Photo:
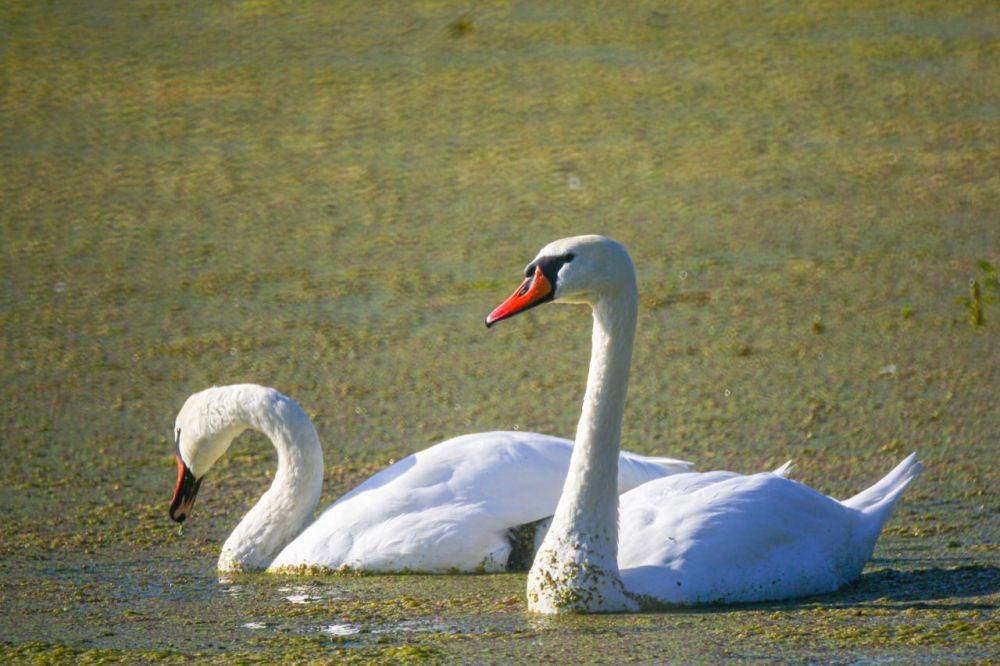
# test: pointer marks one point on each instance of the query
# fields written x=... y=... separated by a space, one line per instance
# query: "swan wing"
x=449 y=507
x=721 y=536
x=635 y=470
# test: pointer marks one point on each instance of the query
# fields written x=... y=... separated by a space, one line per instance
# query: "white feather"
x=687 y=538
x=446 y=508
x=449 y=507
x=724 y=537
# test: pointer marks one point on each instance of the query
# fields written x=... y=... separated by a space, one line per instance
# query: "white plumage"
x=687 y=538
x=450 y=507
x=446 y=508
x=725 y=537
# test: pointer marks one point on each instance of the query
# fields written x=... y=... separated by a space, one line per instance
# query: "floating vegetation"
x=460 y=27
x=983 y=290
x=327 y=198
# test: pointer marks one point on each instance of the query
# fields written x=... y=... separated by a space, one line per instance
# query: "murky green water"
x=328 y=198
x=906 y=606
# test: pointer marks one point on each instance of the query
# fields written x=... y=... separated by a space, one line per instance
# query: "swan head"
x=203 y=431
x=580 y=269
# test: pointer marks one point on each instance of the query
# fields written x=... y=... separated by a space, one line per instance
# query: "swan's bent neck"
x=288 y=505
x=576 y=568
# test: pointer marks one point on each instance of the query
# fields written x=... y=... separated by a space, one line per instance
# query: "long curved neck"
x=288 y=505
x=584 y=532
x=589 y=503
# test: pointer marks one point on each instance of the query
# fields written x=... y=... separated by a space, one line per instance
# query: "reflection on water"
x=143 y=603
x=341 y=629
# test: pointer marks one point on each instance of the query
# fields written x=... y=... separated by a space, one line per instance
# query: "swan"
x=466 y=504
x=688 y=538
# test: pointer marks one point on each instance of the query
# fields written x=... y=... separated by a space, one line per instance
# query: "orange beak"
x=184 y=492
x=535 y=290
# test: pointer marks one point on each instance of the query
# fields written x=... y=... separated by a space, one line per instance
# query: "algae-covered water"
x=328 y=197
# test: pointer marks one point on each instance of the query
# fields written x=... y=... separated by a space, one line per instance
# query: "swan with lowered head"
x=688 y=538
x=456 y=506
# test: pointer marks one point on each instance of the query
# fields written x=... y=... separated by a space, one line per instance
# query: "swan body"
x=448 y=508
x=688 y=538
x=725 y=537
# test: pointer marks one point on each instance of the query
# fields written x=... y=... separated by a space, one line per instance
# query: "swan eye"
x=568 y=257
x=177 y=436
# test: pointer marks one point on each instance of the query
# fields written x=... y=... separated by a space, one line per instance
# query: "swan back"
x=721 y=536
x=450 y=507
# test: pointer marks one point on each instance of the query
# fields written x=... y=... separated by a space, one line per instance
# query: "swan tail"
x=874 y=506
x=785 y=469
x=881 y=497
x=635 y=470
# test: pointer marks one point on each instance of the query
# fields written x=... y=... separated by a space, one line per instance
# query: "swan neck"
x=576 y=567
x=591 y=492
x=297 y=445
x=288 y=505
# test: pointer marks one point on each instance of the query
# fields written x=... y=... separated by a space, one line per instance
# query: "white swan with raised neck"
x=690 y=538
x=451 y=507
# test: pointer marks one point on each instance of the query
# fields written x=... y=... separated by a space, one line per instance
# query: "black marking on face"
x=550 y=269
x=539 y=286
